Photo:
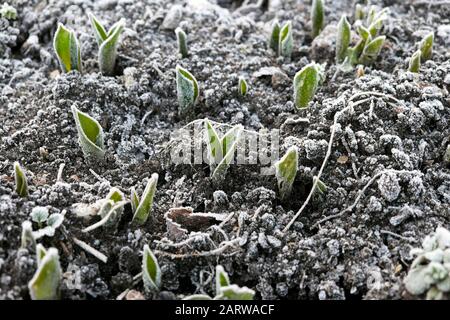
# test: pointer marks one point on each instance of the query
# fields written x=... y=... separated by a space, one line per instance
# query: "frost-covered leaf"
x=243 y=86
x=181 y=40
x=27 y=237
x=111 y=218
x=359 y=12
x=343 y=38
x=426 y=46
x=234 y=292
x=320 y=187
x=317 y=17
x=372 y=50
x=90 y=134
x=414 y=62
x=415 y=281
x=67 y=49
x=363 y=32
x=8 y=12
x=39 y=214
x=46 y=281
x=274 y=36
x=46 y=231
x=151 y=273
x=107 y=52
x=134 y=198
x=187 y=90
x=222 y=279
x=442 y=237
x=286 y=40
x=55 y=220
x=21 y=180
x=286 y=171
x=145 y=205
x=100 y=32
x=40 y=253
x=447 y=154
x=306 y=82
x=214 y=144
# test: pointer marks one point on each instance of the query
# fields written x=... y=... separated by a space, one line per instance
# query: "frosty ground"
x=397 y=137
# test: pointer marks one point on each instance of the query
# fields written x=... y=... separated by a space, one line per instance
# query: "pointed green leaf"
x=275 y=36
x=151 y=273
x=90 y=134
x=67 y=49
x=234 y=292
x=306 y=82
x=426 y=46
x=229 y=144
x=243 y=86
x=55 y=220
x=21 y=180
x=99 y=30
x=286 y=171
x=143 y=210
x=222 y=279
x=108 y=50
x=342 y=39
x=286 y=40
x=214 y=144
x=320 y=187
x=40 y=253
x=414 y=62
x=187 y=90
x=134 y=200
x=363 y=32
x=372 y=50
x=359 y=12
x=181 y=40
x=46 y=281
x=115 y=195
x=317 y=17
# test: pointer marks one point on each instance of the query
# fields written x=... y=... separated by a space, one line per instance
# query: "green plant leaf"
x=100 y=32
x=214 y=144
x=222 y=279
x=363 y=32
x=107 y=52
x=151 y=273
x=145 y=205
x=134 y=200
x=229 y=143
x=243 y=86
x=21 y=180
x=306 y=82
x=317 y=17
x=181 y=40
x=414 y=62
x=46 y=281
x=286 y=40
x=111 y=218
x=8 y=12
x=187 y=90
x=320 y=187
x=40 y=254
x=90 y=134
x=359 y=12
x=426 y=46
x=342 y=39
x=67 y=49
x=39 y=214
x=286 y=171
x=27 y=237
x=55 y=220
x=372 y=50
x=234 y=292
x=275 y=36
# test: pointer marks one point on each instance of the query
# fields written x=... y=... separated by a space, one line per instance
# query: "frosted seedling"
x=45 y=283
x=342 y=39
x=306 y=82
x=21 y=180
x=286 y=41
x=27 y=237
x=221 y=150
x=145 y=204
x=151 y=273
x=187 y=90
x=286 y=171
x=242 y=86
x=414 y=62
x=40 y=253
x=67 y=49
x=108 y=42
x=274 y=36
x=372 y=50
x=181 y=40
x=426 y=46
x=320 y=186
x=359 y=12
x=8 y=12
x=317 y=17
x=90 y=134
x=41 y=216
x=222 y=279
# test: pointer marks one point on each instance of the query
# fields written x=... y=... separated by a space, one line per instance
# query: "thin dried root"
x=221 y=249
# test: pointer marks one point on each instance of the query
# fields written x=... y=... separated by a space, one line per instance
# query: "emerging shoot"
x=21 y=180
x=317 y=17
x=27 y=237
x=414 y=62
x=275 y=36
x=108 y=42
x=187 y=90
x=181 y=39
x=242 y=86
x=67 y=49
x=90 y=134
x=151 y=273
x=286 y=171
x=286 y=40
x=306 y=82
x=145 y=205
x=426 y=46
x=342 y=39
x=46 y=281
